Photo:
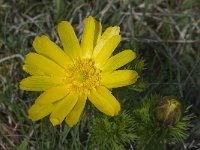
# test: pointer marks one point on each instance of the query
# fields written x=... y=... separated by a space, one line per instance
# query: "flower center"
x=82 y=76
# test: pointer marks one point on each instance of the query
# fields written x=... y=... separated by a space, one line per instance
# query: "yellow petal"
x=107 y=50
x=97 y=35
x=104 y=92
x=40 y=83
x=63 y=108
x=44 y=46
x=36 y=64
x=73 y=117
x=37 y=111
x=119 y=60
x=68 y=39
x=87 y=40
x=52 y=95
x=119 y=78
x=101 y=103
x=109 y=33
x=35 y=108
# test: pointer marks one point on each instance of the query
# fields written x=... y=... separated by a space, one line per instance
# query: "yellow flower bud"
x=168 y=110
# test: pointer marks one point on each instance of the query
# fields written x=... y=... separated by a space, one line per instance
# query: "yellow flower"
x=81 y=71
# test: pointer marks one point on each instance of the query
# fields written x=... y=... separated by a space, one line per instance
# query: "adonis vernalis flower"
x=82 y=71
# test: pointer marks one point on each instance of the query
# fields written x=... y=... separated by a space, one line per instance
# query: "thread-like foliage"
x=112 y=133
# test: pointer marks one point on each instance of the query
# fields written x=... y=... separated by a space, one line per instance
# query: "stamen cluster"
x=82 y=76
